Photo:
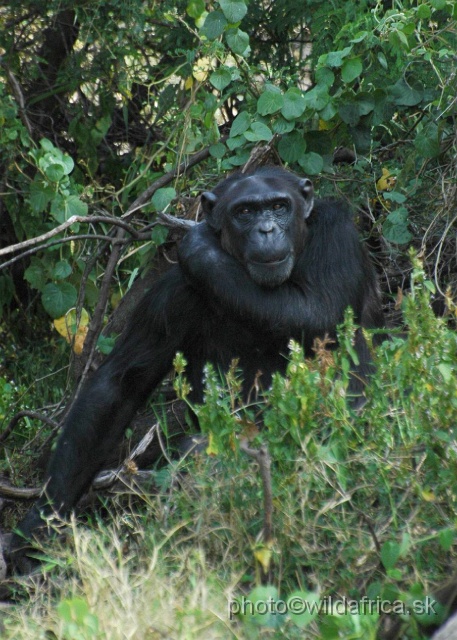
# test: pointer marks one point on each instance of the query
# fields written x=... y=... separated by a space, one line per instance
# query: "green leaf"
x=258 y=132
x=58 y=298
x=403 y=95
x=74 y=207
x=427 y=141
x=68 y=163
x=162 y=198
x=41 y=195
x=159 y=234
x=307 y=606
x=317 y=98
x=238 y=41
x=62 y=270
x=234 y=10
x=271 y=101
x=424 y=12
x=105 y=344
x=395 y=196
x=236 y=142
x=195 y=8
x=446 y=538
x=359 y=37
x=351 y=70
x=294 y=104
x=311 y=163
x=365 y=102
x=325 y=77
x=447 y=372
x=390 y=553
x=241 y=124
x=382 y=60
x=241 y=157
x=399 y=216
x=55 y=172
x=214 y=25
x=395 y=228
x=263 y=612
x=221 y=78
x=47 y=145
x=349 y=113
x=292 y=146
x=283 y=126
x=218 y=150
x=35 y=274
x=335 y=58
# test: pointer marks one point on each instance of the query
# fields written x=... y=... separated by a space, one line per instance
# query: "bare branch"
x=106 y=478
x=83 y=219
x=95 y=325
x=175 y=223
x=26 y=414
x=19 y=97
x=262 y=457
x=103 y=480
x=164 y=180
x=8 y=491
x=167 y=178
x=53 y=243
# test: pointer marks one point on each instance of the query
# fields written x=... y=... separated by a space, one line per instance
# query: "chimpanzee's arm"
x=141 y=358
x=327 y=278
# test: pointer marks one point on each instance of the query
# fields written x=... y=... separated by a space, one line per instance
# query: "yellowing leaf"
x=189 y=83
x=428 y=496
x=324 y=125
x=386 y=182
x=201 y=68
x=66 y=326
x=263 y=556
x=79 y=340
x=212 y=449
x=116 y=297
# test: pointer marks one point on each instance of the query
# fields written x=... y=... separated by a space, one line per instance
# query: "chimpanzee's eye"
x=243 y=211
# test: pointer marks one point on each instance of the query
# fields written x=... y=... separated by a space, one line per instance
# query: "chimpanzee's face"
x=262 y=222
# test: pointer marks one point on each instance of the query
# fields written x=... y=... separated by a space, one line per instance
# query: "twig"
x=53 y=243
x=262 y=457
x=19 y=96
x=175 y=223
x=103 y=480
x=97 y=319
x=106 y=478
x=166 y=179
x=7 y=491
x=26 y=414
x=84 y=219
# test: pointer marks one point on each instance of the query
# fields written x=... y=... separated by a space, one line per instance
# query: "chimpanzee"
x=268 y=264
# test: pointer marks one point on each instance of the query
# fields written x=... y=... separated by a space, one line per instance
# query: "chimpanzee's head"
x=261 y=218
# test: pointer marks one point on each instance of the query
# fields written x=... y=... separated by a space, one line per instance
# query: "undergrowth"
x=364 y=512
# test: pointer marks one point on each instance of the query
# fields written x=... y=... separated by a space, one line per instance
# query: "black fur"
x=271 y=267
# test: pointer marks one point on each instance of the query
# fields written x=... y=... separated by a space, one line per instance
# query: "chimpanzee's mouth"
x=269 y=263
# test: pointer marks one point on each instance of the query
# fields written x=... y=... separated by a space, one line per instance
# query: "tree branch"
x=262 y=457
x=84 y=219
x=103 y=480
x=26 y=414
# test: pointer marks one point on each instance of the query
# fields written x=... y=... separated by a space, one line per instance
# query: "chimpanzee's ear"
x=307 y=190
x=208 y=201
